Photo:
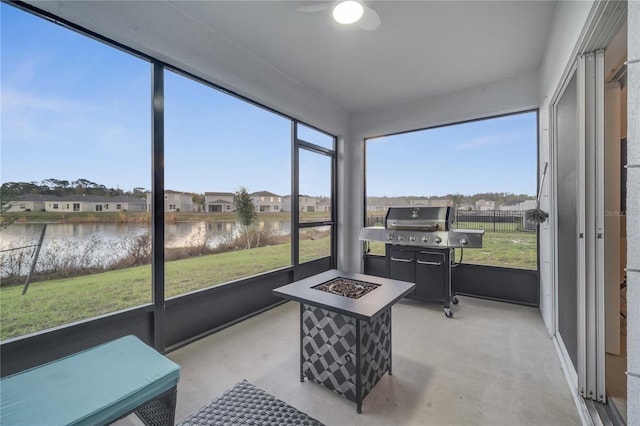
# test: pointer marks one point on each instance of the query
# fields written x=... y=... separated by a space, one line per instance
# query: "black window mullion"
x=331 y=153
x=295 y=202
x=157 y=207
x=334 y=204
x=316 y=224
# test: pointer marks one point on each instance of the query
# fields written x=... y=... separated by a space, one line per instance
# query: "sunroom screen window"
x=218 y=147
x=486 y=169
x=75 y=143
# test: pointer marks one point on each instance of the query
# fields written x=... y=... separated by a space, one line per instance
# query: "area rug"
x=245 y=404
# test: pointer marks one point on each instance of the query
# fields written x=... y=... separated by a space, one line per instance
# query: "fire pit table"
x=345 y=329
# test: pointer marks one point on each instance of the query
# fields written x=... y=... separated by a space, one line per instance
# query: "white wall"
x=517 y=93
x=633 y=215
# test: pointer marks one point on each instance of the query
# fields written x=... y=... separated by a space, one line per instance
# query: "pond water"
x=107 y=241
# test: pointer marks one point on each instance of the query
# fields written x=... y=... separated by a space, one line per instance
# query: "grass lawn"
x=510 y=250
x=56 y=302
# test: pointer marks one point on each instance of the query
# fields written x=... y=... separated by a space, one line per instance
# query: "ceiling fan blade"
x=316 y=7
x=370 y=20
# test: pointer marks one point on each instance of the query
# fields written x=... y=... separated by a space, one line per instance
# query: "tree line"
x=10 y=191
x=63 y=188
x=458 y=199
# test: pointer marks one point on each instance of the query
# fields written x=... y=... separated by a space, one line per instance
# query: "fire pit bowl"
x=347 y=288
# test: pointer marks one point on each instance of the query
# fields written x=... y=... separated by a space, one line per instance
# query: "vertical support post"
x=581 y=367
x=599 y=303
x=35 y=260
x=295 y=201
x=334 y=207
x=591 y=309
x=157 y=207
x=494 y=220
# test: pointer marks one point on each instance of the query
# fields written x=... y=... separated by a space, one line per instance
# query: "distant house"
x=266 y=201
x=219 y=202
x=286 y=203
x=308 y=204
x=79 y=203
x=305 y=203
x=485 y=205
x=465 y=206
x=31 y=203
x=382 y=204
x=174 y=201
x=324 y=205
x=518 y=205
x=431 y=202
x=127 y=204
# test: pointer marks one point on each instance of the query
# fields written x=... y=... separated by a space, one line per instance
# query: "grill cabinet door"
x=402 y=265
x=432 y=281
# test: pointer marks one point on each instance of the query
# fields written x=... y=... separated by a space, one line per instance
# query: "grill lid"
x=427 y=219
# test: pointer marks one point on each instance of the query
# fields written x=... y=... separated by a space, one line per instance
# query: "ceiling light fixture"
x=348 y=12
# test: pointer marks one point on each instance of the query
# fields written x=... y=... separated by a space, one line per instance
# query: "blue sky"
x=72 y=108
x=493 y=155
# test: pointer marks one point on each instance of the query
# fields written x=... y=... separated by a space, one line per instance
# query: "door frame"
x=605 y=18
x=587 y=377
x=565 y=358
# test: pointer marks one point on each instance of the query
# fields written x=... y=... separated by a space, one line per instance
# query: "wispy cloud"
x=478 y=143
x=14 y=100
x=42 y=120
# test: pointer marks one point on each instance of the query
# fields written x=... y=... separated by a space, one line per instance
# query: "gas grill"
x=423 y=227
x=419 y=247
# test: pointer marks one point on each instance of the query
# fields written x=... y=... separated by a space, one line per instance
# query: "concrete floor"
x=493 y=364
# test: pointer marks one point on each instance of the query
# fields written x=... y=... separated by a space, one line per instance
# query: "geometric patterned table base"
x=342 y=353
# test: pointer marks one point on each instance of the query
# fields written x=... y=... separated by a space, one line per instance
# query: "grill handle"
x=422 y=262
x=412 y=227
x=396 y=259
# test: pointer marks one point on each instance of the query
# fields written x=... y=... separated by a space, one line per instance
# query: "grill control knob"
x=464 y=242
x=438 y=240
x=412 y=238
x=425 y=239
x=400 y=237
x=389 y=237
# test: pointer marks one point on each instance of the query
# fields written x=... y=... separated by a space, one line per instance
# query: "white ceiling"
x=422 y=48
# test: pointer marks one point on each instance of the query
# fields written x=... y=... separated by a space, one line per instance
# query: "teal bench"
x=94 y=387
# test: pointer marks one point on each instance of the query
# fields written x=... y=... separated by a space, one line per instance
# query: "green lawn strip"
x=183 y=276
x=314 y=249
x=56 y=302
x=51 y=303
x=511 y=250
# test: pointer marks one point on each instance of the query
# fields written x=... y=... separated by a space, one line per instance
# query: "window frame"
x=156 y=310
x=297 y=146
x=365 y=253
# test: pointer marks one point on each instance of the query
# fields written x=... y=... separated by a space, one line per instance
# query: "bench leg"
x=160 y=411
